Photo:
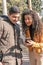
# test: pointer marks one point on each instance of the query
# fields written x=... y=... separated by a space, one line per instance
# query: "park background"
x=36 y=5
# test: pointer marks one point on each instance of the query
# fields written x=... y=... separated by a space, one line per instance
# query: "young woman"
x=33 y=32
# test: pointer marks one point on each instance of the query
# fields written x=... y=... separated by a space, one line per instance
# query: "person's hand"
x=28 y=43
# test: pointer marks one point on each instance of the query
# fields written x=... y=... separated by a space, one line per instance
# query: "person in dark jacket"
x=10 y=37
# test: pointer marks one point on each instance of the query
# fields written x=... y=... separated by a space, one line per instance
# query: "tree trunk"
x=4 y=7
x=29 y=4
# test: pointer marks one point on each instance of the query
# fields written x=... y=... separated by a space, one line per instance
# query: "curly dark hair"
x=36 y=24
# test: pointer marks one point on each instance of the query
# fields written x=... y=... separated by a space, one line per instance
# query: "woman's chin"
x=28 y=24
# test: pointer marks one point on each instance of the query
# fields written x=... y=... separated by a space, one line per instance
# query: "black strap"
x=1 y=55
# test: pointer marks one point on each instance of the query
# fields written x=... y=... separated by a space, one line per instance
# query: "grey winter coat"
x=7 y=43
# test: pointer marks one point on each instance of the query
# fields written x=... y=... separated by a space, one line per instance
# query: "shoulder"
x=3 y=17
x=4 y=21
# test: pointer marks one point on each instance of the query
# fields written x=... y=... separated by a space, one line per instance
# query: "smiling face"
x=14 y=17
x=28 y=19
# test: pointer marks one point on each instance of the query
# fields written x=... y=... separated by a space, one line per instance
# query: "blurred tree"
x=29 y=4
x=26 y=1
x=4 y=7
x=22 y=4
x=0 y=6
x=42 y=18
x=36 y=5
